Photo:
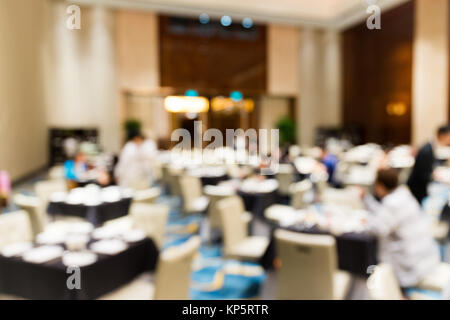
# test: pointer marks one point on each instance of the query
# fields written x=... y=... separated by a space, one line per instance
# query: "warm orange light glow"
x=396 y=109
x=225 y=103
x=183 y=104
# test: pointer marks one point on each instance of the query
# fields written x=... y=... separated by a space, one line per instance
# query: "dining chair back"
x=173 y=273
x=44 y=189
x=298 y=191
x=35 y=210
x=308 y=264
x=14 y=227
x=383 y=285
x=285 y=177
x=233 y=225
x=152 y=218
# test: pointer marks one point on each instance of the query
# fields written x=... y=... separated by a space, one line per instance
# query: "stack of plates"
x=43 y=254
x=51 y=238
x=109 y=247
x=79 y=259
x=16 y=249
x=106 y=232
x=134 y=235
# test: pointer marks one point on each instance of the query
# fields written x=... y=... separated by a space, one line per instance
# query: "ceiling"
x=336 y=14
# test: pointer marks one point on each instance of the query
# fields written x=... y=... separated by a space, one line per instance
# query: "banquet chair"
x=14 y=227
x=298 y=191
x=170 y=178
x=383 y=285
x=35 y=210
x=172 y=277
x=56 y=173
x=285 y=177
x=192 y=195
x=215 y=194
x=237 y=243
x=44 y=189
x=309 y=267
x=152 y=218
x=149 y=195
x=437 y=280
x=173 y=273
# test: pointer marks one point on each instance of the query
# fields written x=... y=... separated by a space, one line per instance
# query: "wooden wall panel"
x=377 y=71
x=225 y=58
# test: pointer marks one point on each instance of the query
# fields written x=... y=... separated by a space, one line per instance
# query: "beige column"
x=80 y=69
x=330 y=108
x=430 y=68
x=310 y=86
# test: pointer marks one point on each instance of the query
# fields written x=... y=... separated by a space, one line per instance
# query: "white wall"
x=23 y=135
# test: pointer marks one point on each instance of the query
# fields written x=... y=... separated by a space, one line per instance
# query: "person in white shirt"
x=134 y=167
x=404 y=233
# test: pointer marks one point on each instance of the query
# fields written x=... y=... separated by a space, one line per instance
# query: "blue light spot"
x=204 y=18
x=247 y=23
x=226 y=21
x=236 y=96
x=191 y=93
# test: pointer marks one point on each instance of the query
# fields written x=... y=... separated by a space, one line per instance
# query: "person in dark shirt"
x=422 y=171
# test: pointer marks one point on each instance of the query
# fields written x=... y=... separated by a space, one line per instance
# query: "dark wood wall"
x=212 y=56
x=377 y=71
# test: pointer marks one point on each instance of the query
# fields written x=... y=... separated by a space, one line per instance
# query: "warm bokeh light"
x=183 y=104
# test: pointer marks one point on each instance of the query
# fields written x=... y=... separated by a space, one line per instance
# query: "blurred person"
x=5 y=189
x=421 y=174
x=75 y=169
x=404 y=234
x=133 y=169
x=330 y=161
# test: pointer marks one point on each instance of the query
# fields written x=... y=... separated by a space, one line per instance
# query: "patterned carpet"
x=213 y=277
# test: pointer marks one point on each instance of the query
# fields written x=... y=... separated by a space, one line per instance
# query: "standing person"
x=405 y=239
x=422 y=171
x=5 y=189
x=134 y=168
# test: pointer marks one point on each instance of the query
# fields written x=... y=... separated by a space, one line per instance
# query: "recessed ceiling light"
x=247 y=23
x=204 y=18
x=226 y=21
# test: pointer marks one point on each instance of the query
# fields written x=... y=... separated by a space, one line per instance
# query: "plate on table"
x=81 y=227
x=49 y=237
x=134 y=235
x=106 y=232
x=79 y=259
x=58 y=197
x=43 y=254
x=109 y=247
x=16 y=249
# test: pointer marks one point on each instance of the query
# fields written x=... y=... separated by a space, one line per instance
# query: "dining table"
x=95 y=214
x=49 y=280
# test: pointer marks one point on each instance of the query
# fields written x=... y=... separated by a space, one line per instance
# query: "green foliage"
x=133 y=125
x=287 y=128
